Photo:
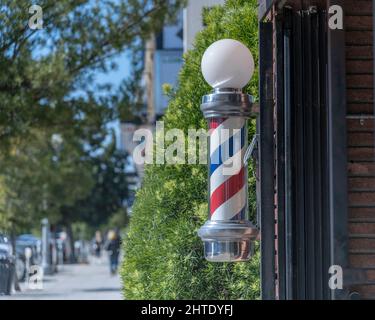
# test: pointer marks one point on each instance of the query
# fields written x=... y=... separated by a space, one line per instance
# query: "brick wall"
x=361 y=152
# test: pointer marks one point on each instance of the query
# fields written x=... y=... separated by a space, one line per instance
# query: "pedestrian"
x=113 y=248
x=98 y=243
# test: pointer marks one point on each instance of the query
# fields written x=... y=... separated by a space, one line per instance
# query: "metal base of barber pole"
x=228 y=241
x=228 y=235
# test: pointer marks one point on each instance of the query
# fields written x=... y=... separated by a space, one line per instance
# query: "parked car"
x=6 y=265
x=22 y=243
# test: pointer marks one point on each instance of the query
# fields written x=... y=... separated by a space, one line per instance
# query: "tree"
x=42 y=70
x=107 y=195
x=39 y=176
x=46 y=88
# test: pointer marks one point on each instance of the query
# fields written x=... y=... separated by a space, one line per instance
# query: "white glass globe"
x=227 y=63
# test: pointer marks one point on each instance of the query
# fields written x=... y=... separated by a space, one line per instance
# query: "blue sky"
x=115 y=77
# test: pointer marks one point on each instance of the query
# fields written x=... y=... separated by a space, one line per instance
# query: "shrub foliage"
x=163 y=254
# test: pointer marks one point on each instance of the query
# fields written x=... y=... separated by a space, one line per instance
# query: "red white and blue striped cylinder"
x=228 y=235
x=228 y=195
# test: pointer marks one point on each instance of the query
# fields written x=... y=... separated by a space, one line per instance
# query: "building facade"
x=193 y=22
x=316 y=161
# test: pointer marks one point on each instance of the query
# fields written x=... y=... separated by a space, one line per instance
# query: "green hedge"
x=163 y=254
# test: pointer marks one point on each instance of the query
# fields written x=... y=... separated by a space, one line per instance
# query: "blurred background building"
x=192 y=19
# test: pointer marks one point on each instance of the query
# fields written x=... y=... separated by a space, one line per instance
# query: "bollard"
x=28 y=254
x=46 y=247
x=228 y=235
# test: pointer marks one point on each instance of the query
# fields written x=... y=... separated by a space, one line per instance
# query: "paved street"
x=75 y=282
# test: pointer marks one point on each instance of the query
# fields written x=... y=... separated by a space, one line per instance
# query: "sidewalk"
x=75 y=282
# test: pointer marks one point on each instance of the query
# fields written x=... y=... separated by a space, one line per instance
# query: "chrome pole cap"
x=227 y=102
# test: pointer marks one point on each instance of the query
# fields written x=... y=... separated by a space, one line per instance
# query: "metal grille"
x=303 y=245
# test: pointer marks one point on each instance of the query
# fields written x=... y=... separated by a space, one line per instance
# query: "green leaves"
x=107 y=194
x=40 y=176
x=44 y=68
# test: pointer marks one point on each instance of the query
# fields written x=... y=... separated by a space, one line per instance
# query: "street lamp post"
x=45 y=247
x=228 y=235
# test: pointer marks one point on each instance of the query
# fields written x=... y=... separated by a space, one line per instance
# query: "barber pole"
x=228 y=235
